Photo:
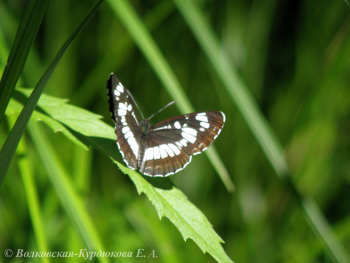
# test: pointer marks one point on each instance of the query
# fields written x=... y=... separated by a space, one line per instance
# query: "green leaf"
x=82 y=127
x=16 y=107
x=78 y=119
x=173 y=204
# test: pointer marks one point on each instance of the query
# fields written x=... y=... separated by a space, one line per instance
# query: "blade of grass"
x=259 y=126
x=12 y=141
x=147 y=45
x=234 y=85
x=25 y=37
x=32 y=196
x=124 y=46
x=324 y=231
x=65 y=190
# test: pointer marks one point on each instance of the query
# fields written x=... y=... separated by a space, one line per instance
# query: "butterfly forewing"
x=124 y=115
x=172 y=142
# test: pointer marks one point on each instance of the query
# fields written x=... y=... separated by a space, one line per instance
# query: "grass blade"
x=235 y=86
x=66 y=191
x=256 y=121
x=25 y=37
x=324 y=231
x=32 y=195
x=12 y=141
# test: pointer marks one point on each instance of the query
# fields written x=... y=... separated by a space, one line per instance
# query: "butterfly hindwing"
x=162 y=156
x=172 y=142
x=126 y=120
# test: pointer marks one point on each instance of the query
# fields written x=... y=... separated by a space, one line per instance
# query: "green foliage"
x=172 y=203
x=167 y=199
x=13 y=139
x=279 y=71
x=25 y=37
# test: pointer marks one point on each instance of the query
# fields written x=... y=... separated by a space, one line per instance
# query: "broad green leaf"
x=173 y=204
x=78 y=119
x=16 y=107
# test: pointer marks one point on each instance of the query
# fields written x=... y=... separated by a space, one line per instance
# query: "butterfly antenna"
x=170 y=103
x=137 y=106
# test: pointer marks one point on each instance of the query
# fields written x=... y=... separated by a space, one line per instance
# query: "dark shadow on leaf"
x=160 y=182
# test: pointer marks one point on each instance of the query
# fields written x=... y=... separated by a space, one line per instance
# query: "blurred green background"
x=293 y=56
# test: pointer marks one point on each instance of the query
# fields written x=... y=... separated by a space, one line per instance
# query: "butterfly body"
x=144 y=127
x=166 y=147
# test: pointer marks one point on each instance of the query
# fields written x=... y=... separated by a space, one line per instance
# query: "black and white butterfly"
x=166 y=147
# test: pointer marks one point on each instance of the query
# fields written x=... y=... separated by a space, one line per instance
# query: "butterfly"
x=166 y=147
